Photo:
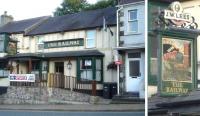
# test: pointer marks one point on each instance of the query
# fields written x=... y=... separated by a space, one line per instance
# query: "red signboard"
x=118 y=62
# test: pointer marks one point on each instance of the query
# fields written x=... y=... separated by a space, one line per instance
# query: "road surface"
x=66 y=113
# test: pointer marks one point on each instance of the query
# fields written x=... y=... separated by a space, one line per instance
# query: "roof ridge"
x=40 y=17
x=86 y=11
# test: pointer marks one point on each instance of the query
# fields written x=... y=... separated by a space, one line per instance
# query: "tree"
x=73 y=6
x=102 y=4
x=70 y=6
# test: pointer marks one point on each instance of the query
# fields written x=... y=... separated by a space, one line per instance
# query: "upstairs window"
x=90 y=38
x=133 y=20
x=2 y=43
x=40 y=43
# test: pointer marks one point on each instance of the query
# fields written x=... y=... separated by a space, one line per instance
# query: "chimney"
x=4 y=19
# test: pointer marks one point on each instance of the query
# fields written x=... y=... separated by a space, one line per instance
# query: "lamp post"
x=69 y=67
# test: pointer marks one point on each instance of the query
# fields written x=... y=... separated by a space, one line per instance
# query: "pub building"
x=69 y=51
x=173 y=38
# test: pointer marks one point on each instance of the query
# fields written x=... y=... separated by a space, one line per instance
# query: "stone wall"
x=44 y=95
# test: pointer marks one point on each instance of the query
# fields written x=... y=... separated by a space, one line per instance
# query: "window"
x=134 y=68
x=90 y=38
x=2 y=43
x=98 y=69
x=134 y=55
x=134 y=64
x=90 y=69
x=59 y=67
x=132 y=21
x=86 y=69
x=44 y=66
x=40 y=43
x=35 y=65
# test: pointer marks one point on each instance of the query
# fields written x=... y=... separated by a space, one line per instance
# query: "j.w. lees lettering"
x=177 y=16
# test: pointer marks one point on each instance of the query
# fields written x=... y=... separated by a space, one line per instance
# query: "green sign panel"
x=64 y=43
x=177 y=68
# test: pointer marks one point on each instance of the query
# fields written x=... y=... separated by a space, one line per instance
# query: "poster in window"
x=176 y=65
x=88 y=63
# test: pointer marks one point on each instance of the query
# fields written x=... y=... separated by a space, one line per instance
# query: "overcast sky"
x=24 y=9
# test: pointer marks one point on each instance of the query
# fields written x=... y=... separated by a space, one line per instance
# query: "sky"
x=24 y=9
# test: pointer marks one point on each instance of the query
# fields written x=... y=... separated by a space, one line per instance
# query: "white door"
x=133 y=72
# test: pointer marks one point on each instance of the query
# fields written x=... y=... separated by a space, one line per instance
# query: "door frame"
x=127 y=67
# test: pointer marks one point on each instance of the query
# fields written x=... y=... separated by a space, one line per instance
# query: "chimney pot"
x=5 y=13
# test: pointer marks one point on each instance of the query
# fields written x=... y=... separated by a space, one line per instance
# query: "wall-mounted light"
x=69 y=65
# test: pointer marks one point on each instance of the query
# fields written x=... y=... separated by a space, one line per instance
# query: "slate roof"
x=190 y=102
x=19 y=26
x=77 y=21
x=121 y=2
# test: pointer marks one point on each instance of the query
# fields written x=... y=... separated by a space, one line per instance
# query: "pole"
x=118 y=79
x=117 y=44
x=71 y=86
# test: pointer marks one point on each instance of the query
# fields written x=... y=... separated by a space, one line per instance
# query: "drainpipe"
x=120 y=8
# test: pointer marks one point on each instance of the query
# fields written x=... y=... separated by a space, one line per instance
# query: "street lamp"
x=69 y=67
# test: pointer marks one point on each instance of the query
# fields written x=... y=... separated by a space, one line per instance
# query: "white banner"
x=22 y=77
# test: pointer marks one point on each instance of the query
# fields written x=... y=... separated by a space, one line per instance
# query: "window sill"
x=133 y=33
x=90 y=47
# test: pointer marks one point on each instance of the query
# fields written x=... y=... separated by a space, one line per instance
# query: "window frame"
x=2 y=49
x=134 y=56
x=134 y=20
x=87 y=38
x=94 y=59
x=138 y=60
x=40 y=44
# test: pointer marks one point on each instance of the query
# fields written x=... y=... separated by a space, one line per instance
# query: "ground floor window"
x=35 y=65
x=59 y=67
x=89 y=69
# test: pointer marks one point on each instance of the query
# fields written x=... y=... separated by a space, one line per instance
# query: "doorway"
x=133 y=72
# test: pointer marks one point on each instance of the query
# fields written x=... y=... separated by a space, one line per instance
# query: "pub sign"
x=177 y=66
x=177 y=52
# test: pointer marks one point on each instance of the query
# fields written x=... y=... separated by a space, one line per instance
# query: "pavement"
x=76 y=107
